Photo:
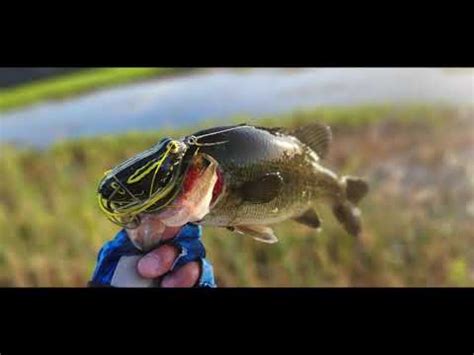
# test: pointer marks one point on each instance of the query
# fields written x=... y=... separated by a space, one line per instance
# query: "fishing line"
x=193 y=140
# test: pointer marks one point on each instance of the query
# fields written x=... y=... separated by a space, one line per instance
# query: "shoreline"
x=77 y=83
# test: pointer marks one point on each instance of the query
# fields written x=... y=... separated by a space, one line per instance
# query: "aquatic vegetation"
x=418 y=218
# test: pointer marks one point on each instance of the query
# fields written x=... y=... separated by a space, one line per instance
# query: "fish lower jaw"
x=187 y=209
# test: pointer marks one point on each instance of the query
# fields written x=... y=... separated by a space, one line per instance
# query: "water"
x=223 y=93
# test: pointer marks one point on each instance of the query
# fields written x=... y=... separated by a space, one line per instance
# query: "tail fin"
x=346 y=211
x=349 y=216
x=356 y=188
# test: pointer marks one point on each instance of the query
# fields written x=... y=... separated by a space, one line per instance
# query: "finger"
x=170 y=232
x=151 y=231
x=148 y=233
x=158 y=261
x=185 y=276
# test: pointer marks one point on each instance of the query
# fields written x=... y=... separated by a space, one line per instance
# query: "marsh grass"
x=418 y=224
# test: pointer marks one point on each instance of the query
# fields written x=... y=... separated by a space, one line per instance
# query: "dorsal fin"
x=317 y=136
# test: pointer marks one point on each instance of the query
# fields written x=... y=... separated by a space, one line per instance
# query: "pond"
x=223 y=93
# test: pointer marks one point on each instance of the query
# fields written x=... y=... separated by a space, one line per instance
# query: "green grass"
x=67 y=85
x=417 y=230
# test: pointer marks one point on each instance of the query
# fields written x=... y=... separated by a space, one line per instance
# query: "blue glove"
x=118 y=258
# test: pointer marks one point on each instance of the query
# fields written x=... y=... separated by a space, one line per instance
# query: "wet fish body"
x=271 y=175
x=254 y=177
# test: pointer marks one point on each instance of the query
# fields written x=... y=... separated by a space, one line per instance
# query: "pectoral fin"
x=258 y=232
x=309 y=218
x=263 y=189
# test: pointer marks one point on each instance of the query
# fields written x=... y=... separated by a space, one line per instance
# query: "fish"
x=243 y=177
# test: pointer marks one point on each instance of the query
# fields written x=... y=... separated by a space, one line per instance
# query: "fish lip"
x=215 y=200
x=220 y=174
x=220 y=180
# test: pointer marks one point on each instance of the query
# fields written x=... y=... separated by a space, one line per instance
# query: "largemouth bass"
x=244 y=178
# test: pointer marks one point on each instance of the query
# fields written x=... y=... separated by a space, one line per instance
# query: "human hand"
x=178 y=262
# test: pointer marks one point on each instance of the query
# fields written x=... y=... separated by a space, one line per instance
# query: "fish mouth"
x=150 y=181
x=145 y=183
x=198 y=166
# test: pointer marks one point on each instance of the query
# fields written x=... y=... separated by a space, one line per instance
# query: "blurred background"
x=409 y=131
